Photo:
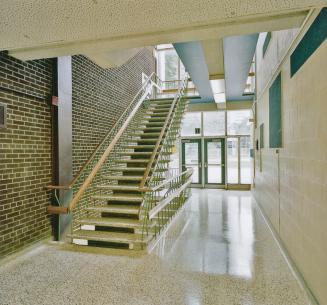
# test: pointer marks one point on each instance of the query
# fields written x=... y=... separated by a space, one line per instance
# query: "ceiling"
x=33 y=29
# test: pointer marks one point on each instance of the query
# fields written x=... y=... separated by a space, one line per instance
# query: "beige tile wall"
x=298 y=211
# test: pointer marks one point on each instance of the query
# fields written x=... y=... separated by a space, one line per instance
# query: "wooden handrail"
x=163 y=129
x=73 y=181
x=105 y=155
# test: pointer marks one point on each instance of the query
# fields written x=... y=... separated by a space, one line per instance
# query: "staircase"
x=124 y=186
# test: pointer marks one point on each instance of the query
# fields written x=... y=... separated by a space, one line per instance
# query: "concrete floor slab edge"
x=289 y=261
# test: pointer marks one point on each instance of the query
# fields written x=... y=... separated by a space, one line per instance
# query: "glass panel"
x=167 y=65
x=214 y=174
x=238 y=122
x=171 y=61
x=195 y=176
x=191 y=122
x=214 y=123
x=232 y=160
x=192 y=159
x=214 y=162
x=214 y=152
x=246 y=161
x=182 y=71
x=191 y=153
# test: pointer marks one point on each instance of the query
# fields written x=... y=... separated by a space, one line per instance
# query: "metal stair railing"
x=108 y=146
x=162 y=200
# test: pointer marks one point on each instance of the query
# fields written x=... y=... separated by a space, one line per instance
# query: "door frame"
x=222 y=162
x=202 y=140
x=200 y=165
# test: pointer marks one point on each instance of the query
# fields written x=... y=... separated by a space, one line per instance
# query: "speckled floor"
x=218 y=251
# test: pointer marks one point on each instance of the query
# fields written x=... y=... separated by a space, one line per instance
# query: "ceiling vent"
x=3 y=114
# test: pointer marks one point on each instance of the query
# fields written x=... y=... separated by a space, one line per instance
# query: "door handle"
x=205 y=164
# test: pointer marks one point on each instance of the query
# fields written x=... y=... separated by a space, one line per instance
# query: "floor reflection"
x=217 y=236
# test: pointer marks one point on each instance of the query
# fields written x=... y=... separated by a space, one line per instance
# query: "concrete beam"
x=214 y=54
x=240 y=26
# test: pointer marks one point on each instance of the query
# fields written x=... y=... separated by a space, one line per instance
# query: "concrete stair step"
x=152 y=123
x=157 y=112
x=139 y=146
x=145 y=128
x=144 y=136
x=117 y=187
x=111 y=237
x=154 y=134
x=115 y=209
x=128 y=169
x=157 y=116
x=161 y=102
x=147 y=140
x=119 y=197
x=123 y=178
x=142 y=153
x=116 y=222
x=132 y=161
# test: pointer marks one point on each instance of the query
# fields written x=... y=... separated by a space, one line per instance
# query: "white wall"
x=292 y=187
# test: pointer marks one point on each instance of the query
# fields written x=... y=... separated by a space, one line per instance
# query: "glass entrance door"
x=214 y=161
x=191 y=158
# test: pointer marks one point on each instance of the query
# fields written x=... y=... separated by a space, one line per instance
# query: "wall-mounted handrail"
x=147 y=88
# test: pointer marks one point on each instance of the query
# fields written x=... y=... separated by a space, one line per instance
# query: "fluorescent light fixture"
x=218 y=89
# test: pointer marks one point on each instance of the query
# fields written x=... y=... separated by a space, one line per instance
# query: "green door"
x=214 y=161
x=191 y=158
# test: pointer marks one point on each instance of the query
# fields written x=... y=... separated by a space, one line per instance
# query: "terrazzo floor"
x=218 y=251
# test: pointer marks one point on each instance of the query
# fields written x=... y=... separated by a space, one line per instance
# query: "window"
x=214 y=123
x=238 y=122
x=191 y=124
x=169 y=66
x=246 y=161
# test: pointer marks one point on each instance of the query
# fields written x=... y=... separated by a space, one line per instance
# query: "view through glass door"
x=214 y=161
x=209 y=170
x=192 y=158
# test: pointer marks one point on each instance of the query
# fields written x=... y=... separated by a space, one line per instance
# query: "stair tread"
x=119 y=187
x=132 y=161
x=111 y=221
x=115 y=208
x=128 y=169
x=119 y=197
x=146 y=133
x=137 y=153
x=108 y=236
x=116 y=177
